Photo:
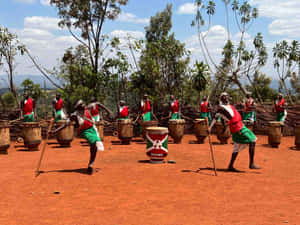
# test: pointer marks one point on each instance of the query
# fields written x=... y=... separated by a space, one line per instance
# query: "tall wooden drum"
x=201 y=130
x=297 y=137
x=32 y=134
x=157 y=143
x=4 y=137
x=223 y=136
x=274 y=133
x=249 y=124
x=125 y=131
x=65 y=136
x=176 y=128
x=100 y=128
x=146 y=124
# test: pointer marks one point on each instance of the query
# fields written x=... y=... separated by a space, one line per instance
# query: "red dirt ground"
x=126 y=190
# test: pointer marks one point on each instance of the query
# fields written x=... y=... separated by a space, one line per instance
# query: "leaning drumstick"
x=211 y=147
x=44 y=148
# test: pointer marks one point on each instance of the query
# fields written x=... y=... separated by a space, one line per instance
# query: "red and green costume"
x=280 y=110
x=146 y=111
x=123 y=114
x=59 y=113
x=248 y=113
x=205 y=111
x=95 y=112
x=28 y=110
x=175 y=110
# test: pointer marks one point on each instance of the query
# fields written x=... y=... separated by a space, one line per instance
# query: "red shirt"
x=204 y=107
x=95 y=110
x=248 y=105
x=146 y=107
x=124 y=112
x=85 y=124
x=280 y=106
x=175 y=106
x=235 y=124
x=59 y=104
x=28 y=107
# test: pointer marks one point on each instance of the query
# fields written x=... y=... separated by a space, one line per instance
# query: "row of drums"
x=32 y=134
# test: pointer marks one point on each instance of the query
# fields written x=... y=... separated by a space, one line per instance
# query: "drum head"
x=179 y=121
x=159 y=130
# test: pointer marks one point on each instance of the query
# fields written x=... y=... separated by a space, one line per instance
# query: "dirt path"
x=126 y=190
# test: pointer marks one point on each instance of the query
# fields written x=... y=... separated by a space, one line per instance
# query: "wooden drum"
x=125 y=131
x=297 y=137
x=201 y=130
x=32 y=134
x=157 y=143
x=65 y=136
x=274 y=133
x=146 y=124
x=223 y=136
x=176 y=128
x=100 y=128
x=249 y=124
x=4 y=137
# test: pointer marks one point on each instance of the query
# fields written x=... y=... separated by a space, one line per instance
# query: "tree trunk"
x=287 y=91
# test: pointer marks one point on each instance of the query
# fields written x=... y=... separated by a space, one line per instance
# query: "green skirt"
x=96 y=118
x=58 y=115
x=90 y=135
x=280 y=116
x=123 y=118
x=175 y=116
x=29 y=117
x=249 y=116
x=203 y=115
x=147 y=117
x=244 y=136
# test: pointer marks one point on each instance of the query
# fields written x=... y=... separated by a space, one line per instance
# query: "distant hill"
x=18 y=79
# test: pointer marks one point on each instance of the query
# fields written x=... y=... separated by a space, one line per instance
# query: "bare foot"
x=232 y=169
x=254 y=167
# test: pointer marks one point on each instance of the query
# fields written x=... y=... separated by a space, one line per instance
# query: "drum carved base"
x=3 y=149
x=32 y=146
x=200 y=139
x=65 y=143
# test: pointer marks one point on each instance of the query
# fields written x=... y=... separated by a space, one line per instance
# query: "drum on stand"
x=176 y=128
x=32 y=134
x=157 y=143
x=125 y=131
x=249 y=124
x=274 y=133
x=65 y=136
x=4 y=137
x=201 y=130
x=146 y=124
x=223 y=136
x=100 y=128
x=297 y=136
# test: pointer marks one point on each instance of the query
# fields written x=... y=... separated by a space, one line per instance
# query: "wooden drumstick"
x=211 y=147
x=44 y=148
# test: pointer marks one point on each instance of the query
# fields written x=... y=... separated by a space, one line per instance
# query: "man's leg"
x=251 y=156
x=93 y=150
x=233 y=158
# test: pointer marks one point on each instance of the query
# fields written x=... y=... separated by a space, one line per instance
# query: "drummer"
x=241 y=135
x=94 y=107
x=146 y=110
x=27 y=106
x=249 y=108
x=58 y=105
x=83 y=118
x=280 y=108
x=123 y=111
x=174 y=113
x=205 y=109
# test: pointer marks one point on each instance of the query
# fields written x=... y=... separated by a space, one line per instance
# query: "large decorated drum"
x=4 y=137
x=125 y=131
x=157 y=143
x=146 y=124
x=223 y=135
x=274 y=134
x=100 y=128
x=297 y=136
x=176 y=128
x=65 y=136
x=201 y=130
x=32 y=134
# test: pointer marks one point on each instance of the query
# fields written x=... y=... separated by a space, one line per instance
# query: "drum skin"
x=249 y=124
x=200 y=130
x=274 y=133
x=146 y=124
x=297 y=137
x=32 y=134
x=176 y=128
x=223 y=136
x=125 y=131
x=4 y=137
x=65 y=136
x=100 y=128
x=157 y=144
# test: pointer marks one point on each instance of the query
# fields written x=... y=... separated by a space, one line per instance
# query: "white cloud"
x=285 y=15
x=25 y=1
x=187 y=8
x=125 y=33
x=43 y=23
x=131 y=18
x=45 y=2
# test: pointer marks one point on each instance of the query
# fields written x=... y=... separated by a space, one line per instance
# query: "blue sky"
x=34 y=21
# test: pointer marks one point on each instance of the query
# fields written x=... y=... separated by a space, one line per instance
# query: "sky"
x=35 y=23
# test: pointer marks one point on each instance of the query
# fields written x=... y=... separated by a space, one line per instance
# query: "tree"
x=200 y=77
x=9 y=48
x=8 y=99
x=163 y=62
x=88 y=16
x=286 y=59
x=32 y=89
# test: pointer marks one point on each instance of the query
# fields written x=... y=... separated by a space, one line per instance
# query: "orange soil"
x=126 y=190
